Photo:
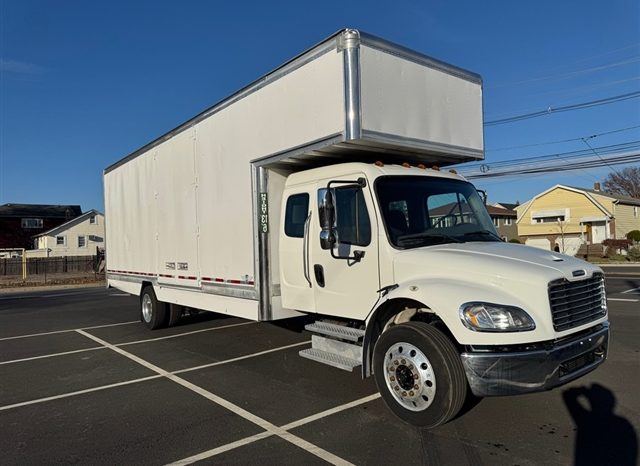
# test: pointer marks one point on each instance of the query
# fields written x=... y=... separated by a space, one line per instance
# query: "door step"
x=336 y=331
x=330 y=359
x=332 y=349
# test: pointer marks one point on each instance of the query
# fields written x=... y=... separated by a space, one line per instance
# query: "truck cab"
x=410 y=256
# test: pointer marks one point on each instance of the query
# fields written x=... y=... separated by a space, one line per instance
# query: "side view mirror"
x=327 y=210
x=483 y=195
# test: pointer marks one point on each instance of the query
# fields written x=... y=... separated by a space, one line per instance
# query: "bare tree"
x=625 y=182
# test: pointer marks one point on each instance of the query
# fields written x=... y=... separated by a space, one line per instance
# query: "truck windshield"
x=423 y=211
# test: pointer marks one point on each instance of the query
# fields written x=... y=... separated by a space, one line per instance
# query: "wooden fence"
x=49 y=265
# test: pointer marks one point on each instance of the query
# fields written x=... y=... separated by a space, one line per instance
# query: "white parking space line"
x=183 y=334
x=631 y=290
x=69 y=330
x=240 y=358
x=254 y=438
x=262 y=423
x=144 y=379
x=623 y=299
x=52 y=355
x=79 y=392
x=222 y=449
x=330 y=412
x=93 y=348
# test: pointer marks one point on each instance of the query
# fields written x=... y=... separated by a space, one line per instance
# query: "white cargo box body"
x=196 y=212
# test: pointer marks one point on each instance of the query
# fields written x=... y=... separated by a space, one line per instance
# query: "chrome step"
x=336 y=331
x=330 y=359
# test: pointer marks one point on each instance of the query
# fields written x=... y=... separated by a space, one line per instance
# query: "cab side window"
x=352 y=218
x=295 y=215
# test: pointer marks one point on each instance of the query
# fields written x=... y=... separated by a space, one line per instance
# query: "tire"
x=419 y=374
x=175 y=312
x=153 y=313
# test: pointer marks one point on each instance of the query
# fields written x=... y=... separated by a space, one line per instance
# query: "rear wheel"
x=153 y=313
x=419 y=374
x=175 y=312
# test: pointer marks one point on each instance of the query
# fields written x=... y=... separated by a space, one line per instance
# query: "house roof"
x=586 y=192
x=69 y=224
x=40 y=210
x=507 y=205
x=618 y=197
x=501 y=212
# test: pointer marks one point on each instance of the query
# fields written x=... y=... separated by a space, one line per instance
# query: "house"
x=77 y=237
x=562 y=218
x=504 y=219
x=20 y=222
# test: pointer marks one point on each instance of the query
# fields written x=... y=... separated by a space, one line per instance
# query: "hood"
x=496 y=262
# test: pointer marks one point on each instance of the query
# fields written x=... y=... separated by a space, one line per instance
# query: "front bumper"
x=512 y=373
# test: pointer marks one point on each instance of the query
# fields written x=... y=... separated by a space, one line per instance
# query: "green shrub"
x=514 y=240
x=634 y=254
x=634 y=235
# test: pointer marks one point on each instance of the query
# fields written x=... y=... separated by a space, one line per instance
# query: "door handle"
x=305 y=251
x=318 y=270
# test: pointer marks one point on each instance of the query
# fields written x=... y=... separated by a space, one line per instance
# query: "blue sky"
x=85 y=83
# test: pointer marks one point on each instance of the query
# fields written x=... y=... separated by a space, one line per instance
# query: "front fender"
x=444 y=297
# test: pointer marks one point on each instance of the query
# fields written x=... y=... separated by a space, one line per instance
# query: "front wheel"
x=419 y=374
x=152 y=312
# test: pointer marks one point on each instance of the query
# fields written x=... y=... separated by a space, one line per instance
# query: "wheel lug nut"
x=411 y=366
x=416 y=387
x=392 y=378
x=391 y=368
x=396 y=362
x=415 y=376
x=397 y=388
x=411 y=393
x=404 y=393
x=403 y=361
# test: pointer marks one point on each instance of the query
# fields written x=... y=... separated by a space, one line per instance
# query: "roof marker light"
x=436 y=168
x=406 y=165
x=453 y=171
x=379 y=163
x=422 y=166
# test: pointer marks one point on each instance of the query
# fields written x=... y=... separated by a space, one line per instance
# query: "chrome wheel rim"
x=147 y=308
x=409 y=376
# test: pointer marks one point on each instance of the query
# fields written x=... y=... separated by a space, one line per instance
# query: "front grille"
x=577 y=303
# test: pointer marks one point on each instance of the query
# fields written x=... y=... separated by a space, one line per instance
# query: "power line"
x=578 y=165
x=609 y=149
x=569 y=74
x=566 y=108
x=563 y=140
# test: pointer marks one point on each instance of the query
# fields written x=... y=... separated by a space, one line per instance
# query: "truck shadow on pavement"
x=602 y=437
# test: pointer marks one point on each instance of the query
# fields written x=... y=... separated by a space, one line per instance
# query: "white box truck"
x=314 y=190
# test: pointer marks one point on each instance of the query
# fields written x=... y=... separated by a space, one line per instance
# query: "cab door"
x=295 y=280
x=346 y=278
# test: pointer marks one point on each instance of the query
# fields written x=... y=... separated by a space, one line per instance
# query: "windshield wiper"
x=419 y=238
x=483 y=232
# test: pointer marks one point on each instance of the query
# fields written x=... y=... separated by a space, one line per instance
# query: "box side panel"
x=131 y=218
x=304 y=106
x=408 y=100
x=176 y=206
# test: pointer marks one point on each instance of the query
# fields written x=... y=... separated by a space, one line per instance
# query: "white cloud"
x=20 y=67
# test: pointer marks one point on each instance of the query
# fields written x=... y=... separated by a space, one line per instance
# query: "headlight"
x=487 y=317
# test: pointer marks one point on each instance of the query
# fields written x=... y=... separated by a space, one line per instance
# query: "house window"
x=93 y=220
x=82 y=242
x=61 y=240
x=496 y=221
x=31 y=223
x=553 y=219
x=635 y=212
x=507 y=221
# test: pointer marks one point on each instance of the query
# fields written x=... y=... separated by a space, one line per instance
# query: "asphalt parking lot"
x=83 y=381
